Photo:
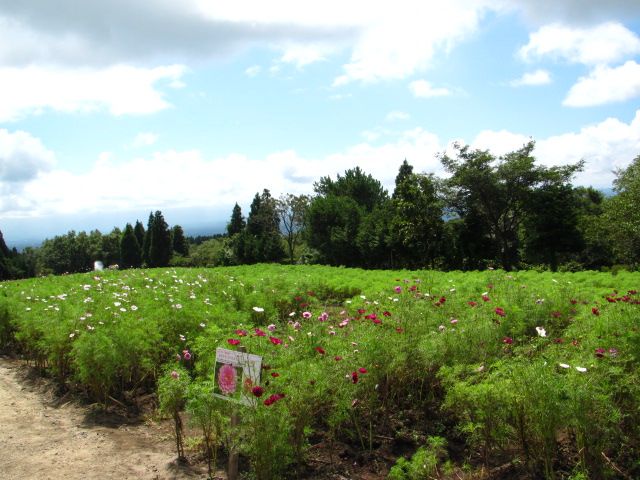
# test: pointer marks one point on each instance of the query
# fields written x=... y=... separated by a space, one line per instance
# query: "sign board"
x=236 y=373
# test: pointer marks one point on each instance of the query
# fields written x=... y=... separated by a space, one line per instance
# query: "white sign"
x=236 y=373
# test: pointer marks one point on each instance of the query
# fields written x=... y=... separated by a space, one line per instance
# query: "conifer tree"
x=130 y=251
x=138 y=230
x=160 y=248
x=237 y=223
x=146 y=242
x=180 y=244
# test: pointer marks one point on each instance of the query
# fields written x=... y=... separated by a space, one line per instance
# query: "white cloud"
x=253 y=70
x=145 y=139
x=604 y=146
x=605 y=85
x=603 y=44
x=424 y=89
x=302 y=55
x=119 y=90
x=397 y=115
x=530 y=79
x=22 y=157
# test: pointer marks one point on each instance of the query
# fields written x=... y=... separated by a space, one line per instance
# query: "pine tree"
x=138 y=230
x=237 y=223
x=160 y=248
x=146 y=242
x=130 y=251
x=180 y=244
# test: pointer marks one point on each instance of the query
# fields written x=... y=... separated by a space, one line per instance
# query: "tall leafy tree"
x=180 y=244
x=621 y=215
x=417 y=223
x=362 y=188
x=160 y=247
x=130 y=250
x=237 y=223
x=497 y=191
x=291 y=211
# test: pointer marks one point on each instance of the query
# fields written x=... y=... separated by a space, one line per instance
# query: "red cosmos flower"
x=274 y=398
x=595 y=311
x=500 y=312
x=600 y=352
x=275 y=374
x=377 y=321
x=354 y=377
x=442 y=300
x=413 y=288
x=558 y=340
x=386 y=313
x=257 y=391
x=486 y=298
x=611 y=300
x=575 y=342
x=507 y=340
x=362 y=370
x=556 y=314
x=573 y=301
x=632 y=292
x=472 y=304
x=233 y=341
x=275 y=341
x=241 y=333
x=337 y=358
x=399 y=329
x=260 y=333
x=371 y=316
x=361 y=311
x=320 y=350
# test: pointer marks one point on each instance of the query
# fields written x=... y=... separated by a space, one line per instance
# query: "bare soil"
x=44 y=436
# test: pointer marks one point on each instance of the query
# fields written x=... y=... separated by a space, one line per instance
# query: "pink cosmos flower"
x=397 y=289
x=306 y=314
x=271 y=327
x=175 y=374
x=227 y=378
x=362 y=370
x=186 y=354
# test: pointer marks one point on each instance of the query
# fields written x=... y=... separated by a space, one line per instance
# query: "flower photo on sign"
x=236 y=374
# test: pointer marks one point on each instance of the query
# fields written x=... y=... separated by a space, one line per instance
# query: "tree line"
x=505 y=212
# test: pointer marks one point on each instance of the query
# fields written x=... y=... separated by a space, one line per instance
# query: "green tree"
x=405 y=171
x=362 y=188
x=160 y=247
x=621 y=215
x=417 y=223
x=261 y=241
x=180 y=244
x=498 y=190
x=138 y=230
x=130 y=251
x=291 y=210
x=236 y=224
x=146 y=243
x=331 y=228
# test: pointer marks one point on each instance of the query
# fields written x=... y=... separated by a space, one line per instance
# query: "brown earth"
x=43 y=436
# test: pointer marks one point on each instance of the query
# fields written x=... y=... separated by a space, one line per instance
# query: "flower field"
x=415 y=374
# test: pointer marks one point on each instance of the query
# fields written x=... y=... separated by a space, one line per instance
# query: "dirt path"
x=43 y=441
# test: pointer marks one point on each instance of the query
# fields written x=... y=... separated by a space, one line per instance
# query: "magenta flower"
x=362 y=370
x=320 y=350
x=275 y=341
x=397 y=289
x=486 y=298
x=500 y=312
x=472 y=303
x=241 y=333
x=275 y=374
x=271 y=327
x=186 y=354
x=354 y=377
x=507 y=340
x=337 y=358
x=257 y=391
x=595 y=311
x=233 y=341
x=600 y=352
x=227 y=378
x=274 y=398
x=306 y=314
x=260 y=333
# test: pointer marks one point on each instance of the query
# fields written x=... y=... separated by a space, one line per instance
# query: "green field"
x=456 y=371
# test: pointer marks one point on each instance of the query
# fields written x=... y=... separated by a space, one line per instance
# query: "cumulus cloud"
x=145 y=139
x=602 y=44
x=119 y=90
x=253 y=70
x=605 y=85
x=424 y=89
x=605 y=146
x=185 y=179
x=22 y=157
x=532 y=79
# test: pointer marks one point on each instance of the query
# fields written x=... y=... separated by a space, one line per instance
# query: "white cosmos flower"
x=541 y=332
x=564 y=365
x=581 y=369
x=258 y=309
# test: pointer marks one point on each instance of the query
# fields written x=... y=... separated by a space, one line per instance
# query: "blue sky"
x=109 y=110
